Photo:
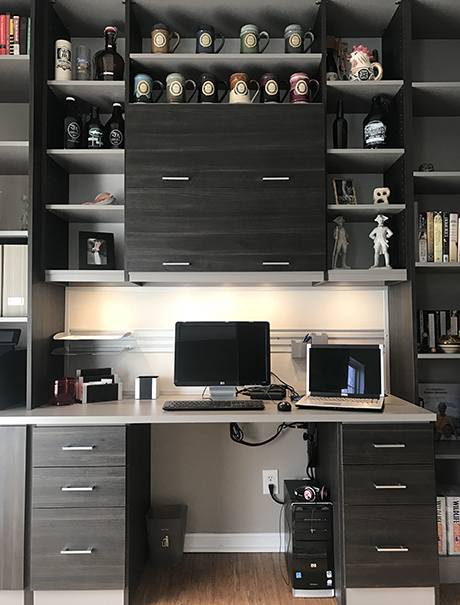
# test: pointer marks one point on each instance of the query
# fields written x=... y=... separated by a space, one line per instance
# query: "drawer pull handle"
x=276 y=178
x=70 y=551
x=89 y=488
x=78 y=448
x=388 y=445
x=175 y=178
x=176 y=264
x=276 y=263
x=395 y=486
x=392 y=549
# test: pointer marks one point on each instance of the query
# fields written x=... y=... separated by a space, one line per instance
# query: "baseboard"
x=257 y=542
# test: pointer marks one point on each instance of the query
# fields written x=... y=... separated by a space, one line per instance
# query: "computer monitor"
x=222 y=355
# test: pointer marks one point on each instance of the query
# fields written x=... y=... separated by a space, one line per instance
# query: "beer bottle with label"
x=374 y=124
x=94 y=130
x=108 y=63
x=114 y=130
x=73 y=137
x=340 y=128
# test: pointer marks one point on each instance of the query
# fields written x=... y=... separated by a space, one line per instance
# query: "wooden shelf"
x=249 y=278
x=442 y=356
x=432 y=99
x=367 y=276
x=447 y=450
x=81 y=213
x=14 y=75
x=361 y=160
x=13 y=320
x=14 y=157
x=101 y=94
x=89 y=161
x=13 y=237
x=437 y=267
x=357 y=96
x=364 y=212
x=73 y=335
x=437 y=182
x=97 y=277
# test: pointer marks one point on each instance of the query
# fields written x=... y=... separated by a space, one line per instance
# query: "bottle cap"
x=112 y=29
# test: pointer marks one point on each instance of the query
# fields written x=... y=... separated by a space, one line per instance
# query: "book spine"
x=442 y=323
x=422 y=243
x=11 y=36
x=430 y=237
x=23 y=35
x=2 y=34
x=7 y=33
x=431 y=331
x=437 y=236
x=453 y=525
x=453 y=237
x=16 y=49
x=441 y=521
x=28 y=35
x=454 y=322
x=445 y=237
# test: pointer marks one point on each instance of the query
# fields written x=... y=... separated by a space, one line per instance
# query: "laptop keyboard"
x=343 y=402
x=213 y=404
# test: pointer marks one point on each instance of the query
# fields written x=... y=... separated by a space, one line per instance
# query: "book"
x=453 y=322
x=429 y=237
x=441 y=523
x=453 y=237
x=16 y=49
x=437 y=236
x=14 y=280
x=23 y=35
x=432 y=394
x=431 y=324
x=3 y=34
x=445 y=237
x=422 y=243
x=453 y=524
x=11 y=34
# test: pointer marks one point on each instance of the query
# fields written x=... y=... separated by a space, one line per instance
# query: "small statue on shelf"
x=340 y=244
x=380 y=235
x=381 y=195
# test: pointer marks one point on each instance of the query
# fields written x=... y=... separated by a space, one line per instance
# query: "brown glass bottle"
x=108 y=63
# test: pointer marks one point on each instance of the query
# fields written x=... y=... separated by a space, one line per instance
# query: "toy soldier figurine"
x=381 y=235
x=340 y=244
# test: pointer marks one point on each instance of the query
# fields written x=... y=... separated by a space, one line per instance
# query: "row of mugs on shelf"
x=301 y=88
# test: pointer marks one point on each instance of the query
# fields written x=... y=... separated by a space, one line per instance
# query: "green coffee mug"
x=250 y=36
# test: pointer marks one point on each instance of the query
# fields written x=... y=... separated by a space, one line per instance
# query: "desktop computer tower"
x=308 y=542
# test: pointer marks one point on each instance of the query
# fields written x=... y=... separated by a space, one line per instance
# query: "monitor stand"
x=222 y=392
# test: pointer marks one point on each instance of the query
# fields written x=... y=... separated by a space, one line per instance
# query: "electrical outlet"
x=270 y=477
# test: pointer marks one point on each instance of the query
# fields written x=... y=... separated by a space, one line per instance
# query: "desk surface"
x=133 y=411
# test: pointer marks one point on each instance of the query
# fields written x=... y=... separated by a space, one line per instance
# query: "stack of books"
x=438 y=237
x=14 y=35
x=448 y=521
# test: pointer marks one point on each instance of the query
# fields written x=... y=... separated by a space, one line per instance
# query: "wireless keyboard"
x=214 y=404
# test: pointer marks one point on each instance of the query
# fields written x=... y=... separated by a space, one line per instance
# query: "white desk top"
x=133 y=411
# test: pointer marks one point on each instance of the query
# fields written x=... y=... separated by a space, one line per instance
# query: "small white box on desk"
x=146 y=387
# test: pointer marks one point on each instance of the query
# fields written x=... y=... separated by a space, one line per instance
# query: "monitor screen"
x=222 y=353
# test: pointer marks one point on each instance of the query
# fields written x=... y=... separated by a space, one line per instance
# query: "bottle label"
x=375 y=133
x=94 y=137
x=115 y=138
x=73 y=131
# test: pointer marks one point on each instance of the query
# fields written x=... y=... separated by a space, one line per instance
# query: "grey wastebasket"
x=166 y=534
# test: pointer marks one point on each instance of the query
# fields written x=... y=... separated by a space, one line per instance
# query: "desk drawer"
x=389 y=484
x=390 y=546
x=79 y=446
x=92 y=543
x=78 y=487
x=388 y=444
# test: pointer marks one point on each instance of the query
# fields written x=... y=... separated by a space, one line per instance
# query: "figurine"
x=381 y=195
x=426 y=168
x=381 y=235
x=340 y=244
x=363 y=66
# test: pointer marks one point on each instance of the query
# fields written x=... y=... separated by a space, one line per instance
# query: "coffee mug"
x=295 y=40
x=176 y=88
x=270 y=88
x=250 y=36
x=239 y=88
x=161 y=39
x=208 y=85
x=64 y=391
x=143 y=88
x=300 y=90
x=205 y=39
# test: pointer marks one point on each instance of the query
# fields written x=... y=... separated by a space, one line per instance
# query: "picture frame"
x=96 y=250
x=344 y=191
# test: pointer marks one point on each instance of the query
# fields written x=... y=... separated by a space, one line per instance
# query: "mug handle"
x=176 y=44
x=310 y=35
x=162 y=87
x=257 y=91
x=379 y=74
x=219 y=100
x=222 y=42
x=288 y=88
x=265 y=35
x=194 y=90
x=316 y=91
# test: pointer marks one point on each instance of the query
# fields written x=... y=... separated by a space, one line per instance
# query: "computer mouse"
x=284 y=406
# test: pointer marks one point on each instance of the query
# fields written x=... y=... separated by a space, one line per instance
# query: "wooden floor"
x=234 y=579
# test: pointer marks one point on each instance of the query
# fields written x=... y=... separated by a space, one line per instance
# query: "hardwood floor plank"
x=449 y=594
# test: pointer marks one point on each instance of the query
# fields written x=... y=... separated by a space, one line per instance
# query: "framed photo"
x=344 y=191
x=96 y=250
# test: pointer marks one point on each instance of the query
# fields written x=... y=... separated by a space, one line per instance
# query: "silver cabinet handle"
x=78 y=448
x=283 y=263
x=175 y=178
x=70 y=551
x=388 y=445
x=89 y=488
x=392 y=549
x=395 y=486
x=276 y=178
x=176 y=264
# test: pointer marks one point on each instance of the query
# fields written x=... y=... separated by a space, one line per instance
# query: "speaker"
x=146 y=387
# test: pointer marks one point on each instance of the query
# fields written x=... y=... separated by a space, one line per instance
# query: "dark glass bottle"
x=94 y=130
x=73 y=136
x=340 y=129
x=114 y=130
x=374 y=124
x=108 y=64
x=332 y=73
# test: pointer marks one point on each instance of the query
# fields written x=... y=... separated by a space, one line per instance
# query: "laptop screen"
x=345 y=371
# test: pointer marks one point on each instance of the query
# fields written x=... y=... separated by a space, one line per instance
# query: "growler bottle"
x=374 y=124
x=94 y=130
x=340 y=129
x=73 y=136
x=114 y=130
x=108 y=64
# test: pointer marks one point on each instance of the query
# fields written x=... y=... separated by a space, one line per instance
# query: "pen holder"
x=298 y=349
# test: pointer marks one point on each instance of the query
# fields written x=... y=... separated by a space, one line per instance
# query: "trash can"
x=166 y=534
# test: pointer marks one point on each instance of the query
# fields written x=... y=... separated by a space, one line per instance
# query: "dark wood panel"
x=12 y=506
x=384 y=484
x=107 y=443
x=369 y=528
x=102 y=530
x=360 y=441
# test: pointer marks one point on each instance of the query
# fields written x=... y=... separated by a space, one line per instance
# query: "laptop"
x=344 y=377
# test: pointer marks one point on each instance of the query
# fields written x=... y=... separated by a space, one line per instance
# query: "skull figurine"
x=381 y=195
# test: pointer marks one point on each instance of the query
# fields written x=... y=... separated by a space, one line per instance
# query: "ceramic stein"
x=270 y=88
x=295 y=40
x=205 y=39
x=300 y=88
x=250 y=37
x=161 y=39
x=143 y=88
x=208 y=85
x=63 y=60
x=239 y=88
x=175 y=88
x=361 y=67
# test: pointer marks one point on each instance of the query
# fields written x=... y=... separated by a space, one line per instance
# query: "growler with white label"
x=374 y=124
